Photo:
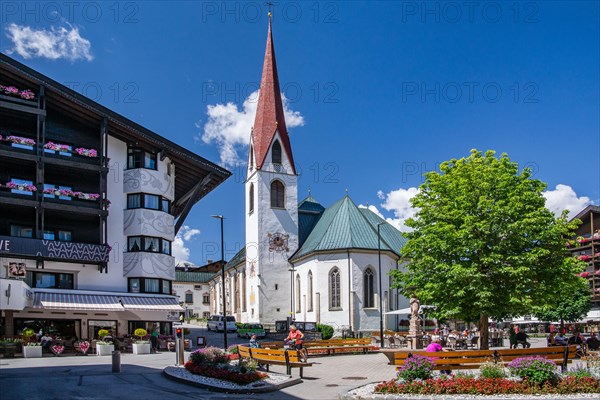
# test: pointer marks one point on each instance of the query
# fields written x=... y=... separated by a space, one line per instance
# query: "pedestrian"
x=154 y=341
x=513 y=337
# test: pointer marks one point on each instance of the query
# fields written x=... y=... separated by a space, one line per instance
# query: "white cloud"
x=58 y=42
x=563 y=197
x=229 y=127
x=180 y=249
x=397 y=201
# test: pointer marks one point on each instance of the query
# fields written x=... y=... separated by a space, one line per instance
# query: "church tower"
x=271 y=203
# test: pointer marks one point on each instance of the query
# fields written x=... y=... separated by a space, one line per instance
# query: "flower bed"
x=215 y=363
x=530 y=375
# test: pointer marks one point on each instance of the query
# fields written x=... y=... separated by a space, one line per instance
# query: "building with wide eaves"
x=90 y=203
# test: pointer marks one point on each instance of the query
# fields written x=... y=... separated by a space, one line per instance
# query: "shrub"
x=417 y=367
x=140 y=332
x=233 y=349
x=535 y=370
x=326 y=331
x=102 y=333
x=579 y=372
x=209 y=356
x=491 y=370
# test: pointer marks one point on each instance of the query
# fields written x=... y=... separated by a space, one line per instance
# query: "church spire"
x=269 y=113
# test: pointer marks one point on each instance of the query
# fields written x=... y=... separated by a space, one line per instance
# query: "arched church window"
x=335 y=290
x=276 y=153
x=251 y=160
x=309 y=290
x=298 y=291
x=277 y=194
x=368 y=293
x=251 y=198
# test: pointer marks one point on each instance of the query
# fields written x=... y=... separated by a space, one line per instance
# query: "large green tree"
x=572 y=303
x=484 y=245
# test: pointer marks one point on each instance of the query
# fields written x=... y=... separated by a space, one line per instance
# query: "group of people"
x=559 y=339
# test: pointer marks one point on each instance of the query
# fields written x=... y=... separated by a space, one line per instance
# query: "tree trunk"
x=483 y=332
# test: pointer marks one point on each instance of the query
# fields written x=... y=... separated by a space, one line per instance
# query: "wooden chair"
x=473 y=343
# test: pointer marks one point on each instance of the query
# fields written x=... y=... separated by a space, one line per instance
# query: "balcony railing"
x=68 y=251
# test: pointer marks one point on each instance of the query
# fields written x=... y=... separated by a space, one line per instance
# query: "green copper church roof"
x=309 y=213
x=345 y=226
x=239 y=257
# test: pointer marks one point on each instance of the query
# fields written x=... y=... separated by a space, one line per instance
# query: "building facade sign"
x=17 y=246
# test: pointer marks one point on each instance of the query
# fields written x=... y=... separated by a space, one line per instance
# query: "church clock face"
x=278 y=242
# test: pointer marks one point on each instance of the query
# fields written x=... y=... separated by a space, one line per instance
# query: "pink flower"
x=584 y=274
x=27 y=94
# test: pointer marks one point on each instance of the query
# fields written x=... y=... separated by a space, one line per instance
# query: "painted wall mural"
x=148 y=265
x=148 y=181
x=149 y=223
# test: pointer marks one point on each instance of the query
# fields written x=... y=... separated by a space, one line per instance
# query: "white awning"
x=151 y=303
x=592 y=315
x=408 y=310
x=70 y=301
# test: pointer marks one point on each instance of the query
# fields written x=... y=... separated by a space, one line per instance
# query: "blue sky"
x=382 y=91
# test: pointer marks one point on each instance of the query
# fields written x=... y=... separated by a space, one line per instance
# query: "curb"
x=264 y=388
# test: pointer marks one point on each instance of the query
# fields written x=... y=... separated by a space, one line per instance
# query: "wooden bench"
x=362 y=345
x=330 y=346
x=469 y=359
x=289 y=358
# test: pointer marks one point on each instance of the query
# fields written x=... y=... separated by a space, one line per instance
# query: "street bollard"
x=116 y=361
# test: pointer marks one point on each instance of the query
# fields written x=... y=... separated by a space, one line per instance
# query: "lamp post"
x=291 y=294
x=223 y=283
x=380 y=289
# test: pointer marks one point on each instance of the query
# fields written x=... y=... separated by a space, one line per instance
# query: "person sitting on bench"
x=522 y=339
x=593 y=343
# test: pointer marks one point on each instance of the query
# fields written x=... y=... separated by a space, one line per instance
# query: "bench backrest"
x=294 y=356
x=244 y=352
x=268 y=354
x=504 y=356
x=271 y=345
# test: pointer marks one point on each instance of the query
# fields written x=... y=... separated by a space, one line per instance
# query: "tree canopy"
x=484 y=244
x=571 y=304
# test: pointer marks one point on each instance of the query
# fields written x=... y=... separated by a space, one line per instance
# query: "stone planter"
x=104 y=349
x=32 y=351
x=141 y=348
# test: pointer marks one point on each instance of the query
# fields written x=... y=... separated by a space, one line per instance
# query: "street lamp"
x=291 y=294
x=223 y=283
x=380 y=289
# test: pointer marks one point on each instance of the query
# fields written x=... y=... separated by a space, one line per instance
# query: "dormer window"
x=276 y=153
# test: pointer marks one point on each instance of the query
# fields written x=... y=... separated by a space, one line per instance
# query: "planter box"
x=143 y=348
x=9 y=350
x=32 y=351
x=104 y=349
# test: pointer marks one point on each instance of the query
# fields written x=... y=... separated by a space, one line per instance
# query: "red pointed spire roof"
x=269 y=113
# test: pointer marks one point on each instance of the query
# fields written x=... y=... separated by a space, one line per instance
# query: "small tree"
x=572 y=303
x=484 y=244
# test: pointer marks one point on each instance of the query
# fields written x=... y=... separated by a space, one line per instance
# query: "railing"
x=68 y=251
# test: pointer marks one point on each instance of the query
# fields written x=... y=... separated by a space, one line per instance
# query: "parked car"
x=216 y=323
x=247 y=330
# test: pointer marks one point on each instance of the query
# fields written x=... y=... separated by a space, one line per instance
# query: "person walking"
x=512 y=337
x=154 y=341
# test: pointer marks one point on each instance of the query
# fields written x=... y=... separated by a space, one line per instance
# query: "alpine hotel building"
x=90 y=203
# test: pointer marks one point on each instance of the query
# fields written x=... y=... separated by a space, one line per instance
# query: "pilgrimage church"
x=301 y=259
